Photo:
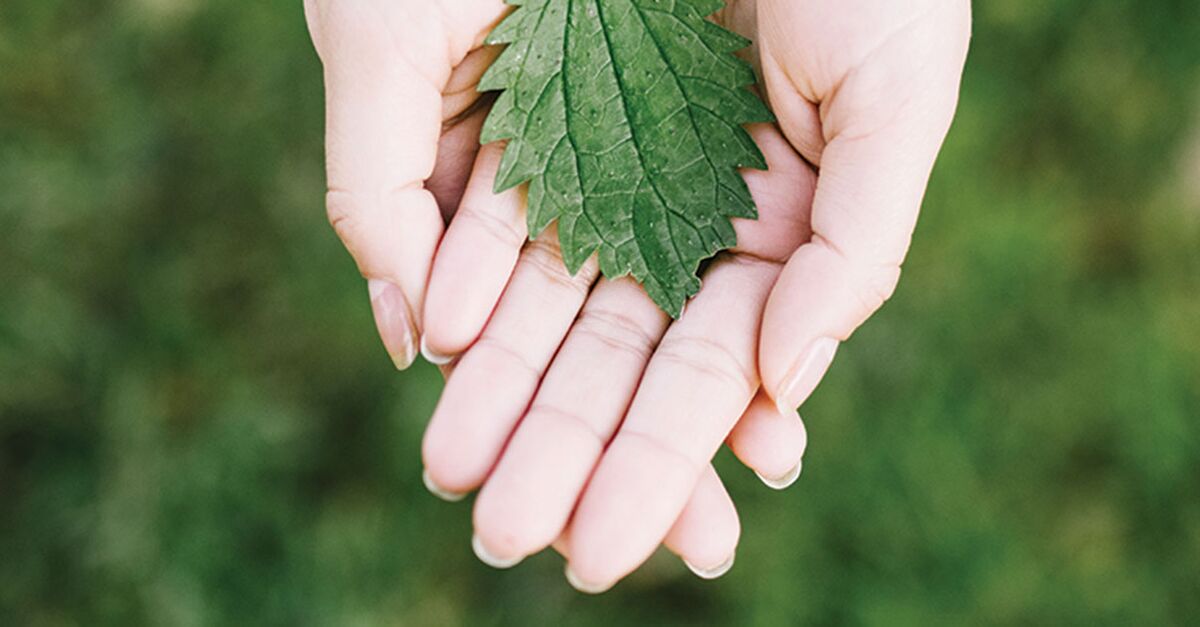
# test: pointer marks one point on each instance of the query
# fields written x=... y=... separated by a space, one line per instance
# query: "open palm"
x=572 y=401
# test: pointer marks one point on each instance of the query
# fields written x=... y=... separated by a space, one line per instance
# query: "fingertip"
x=810 y=367
x=432 y=356
x=711 y=572
x=769 y=441
x=583 y=585
x=816 y=303
x=392 y=238
x=458 y=303
x=527 y=499
x=492 y=559
x=393 y=320
x=449 y=496
x=633 y=501
x=706 y=534
x=447 y=474
x=507 y=528
x=474 y=418
x=783 y=481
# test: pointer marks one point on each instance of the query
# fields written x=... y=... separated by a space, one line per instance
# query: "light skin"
x=586 y=418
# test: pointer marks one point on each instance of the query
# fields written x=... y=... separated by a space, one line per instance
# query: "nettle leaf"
x=625 y=117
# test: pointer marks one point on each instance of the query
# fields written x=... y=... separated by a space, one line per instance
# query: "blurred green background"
x=197 y=425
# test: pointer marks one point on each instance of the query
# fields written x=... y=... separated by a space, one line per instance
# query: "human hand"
x=402 y=133
x=865 y=92
x=402 y=137
x=873 y=128
x=529 y=415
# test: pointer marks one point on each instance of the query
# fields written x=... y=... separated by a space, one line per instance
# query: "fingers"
x=883 y=124
x=699 y=381
x=528 y=498
x=705 y=536
x=769 y=442
x=474 y=261
x=494 y=381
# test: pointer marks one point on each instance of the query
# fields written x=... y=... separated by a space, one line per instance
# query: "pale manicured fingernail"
x=438 y=491
x=806 y=375
x=711 y=573
x=783 y=481
x=583 y=586
x=436 y=359
x=488 y=558
x=393 y=321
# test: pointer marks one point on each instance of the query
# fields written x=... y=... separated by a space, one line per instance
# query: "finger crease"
x=572 y=417
x=719 y=362
x=747 y=257
x=504 y=231
x=662 y=446
x=546 y=259
x=618 y=331
x=516 y=357
x=854 y=69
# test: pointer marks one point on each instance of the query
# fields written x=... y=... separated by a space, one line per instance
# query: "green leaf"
x=625 y=117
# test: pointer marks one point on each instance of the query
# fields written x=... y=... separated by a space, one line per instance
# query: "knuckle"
x=570 y=419
x=500 y=229
x=708 y=362
x=545 y=248
x=665 y=447
x=872 y=281
x=502 y=349
x=344 y=212
x=617 y=331
x=754 y=258
x=877 y=284
x=363 y=218
x=588 y=272
x=544 y=256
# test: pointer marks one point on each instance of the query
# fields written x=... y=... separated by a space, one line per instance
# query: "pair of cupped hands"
x=583 y=414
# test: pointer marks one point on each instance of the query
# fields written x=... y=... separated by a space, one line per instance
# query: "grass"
x=197 y=425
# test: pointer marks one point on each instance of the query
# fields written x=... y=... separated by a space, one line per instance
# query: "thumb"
x=883 y=124
x=386 y=64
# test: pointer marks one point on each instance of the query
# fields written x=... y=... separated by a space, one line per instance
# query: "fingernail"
x=806 y=375
x=436 y=359
x=488 y=558
x=711 y=573
x=393 y=321
x=438 y=491
x=787 y=479
x=583 y=586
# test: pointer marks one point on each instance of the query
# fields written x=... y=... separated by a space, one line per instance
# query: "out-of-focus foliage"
x=197 y=425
